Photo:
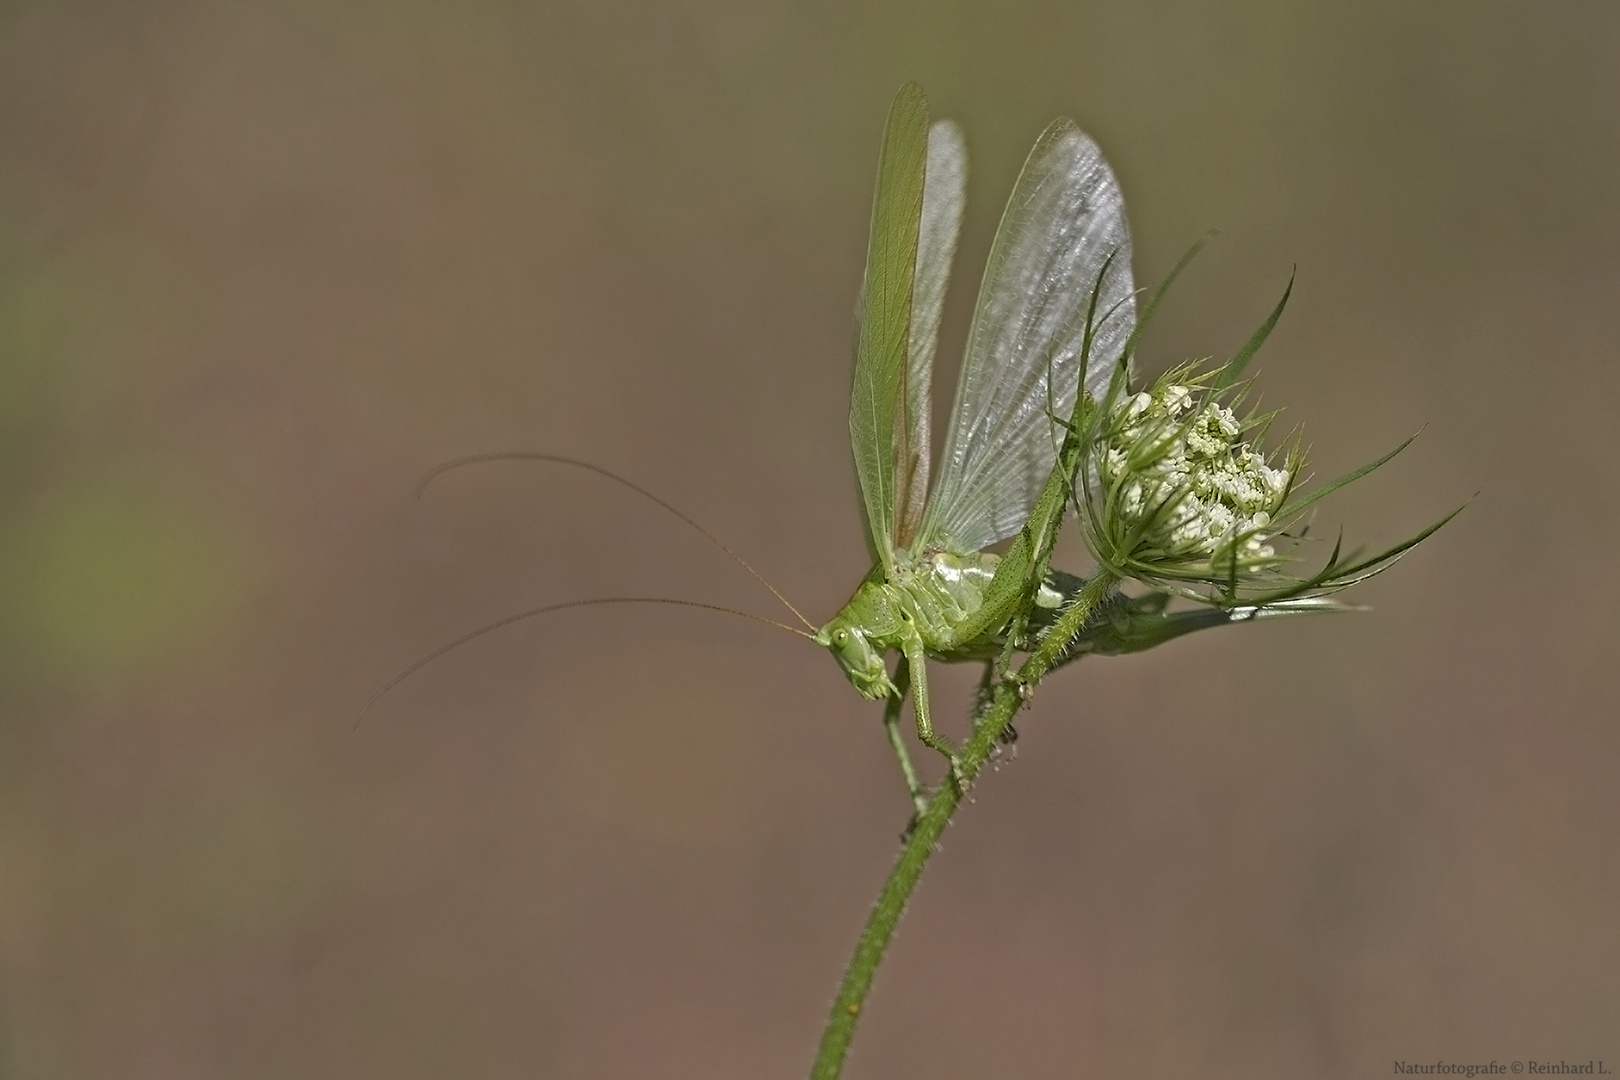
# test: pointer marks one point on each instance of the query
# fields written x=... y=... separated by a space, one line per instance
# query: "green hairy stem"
x=1006 y=697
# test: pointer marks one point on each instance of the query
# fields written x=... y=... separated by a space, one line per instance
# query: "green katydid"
x=1055 y=314
x=1052 y=329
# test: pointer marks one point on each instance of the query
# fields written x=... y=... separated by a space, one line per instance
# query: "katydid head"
x=853 y=638
x=862 y=662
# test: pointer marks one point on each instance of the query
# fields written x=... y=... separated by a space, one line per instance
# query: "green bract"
x=1182 y=497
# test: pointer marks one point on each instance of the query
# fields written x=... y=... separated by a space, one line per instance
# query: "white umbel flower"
x=1175 y=494
x=1182 y=483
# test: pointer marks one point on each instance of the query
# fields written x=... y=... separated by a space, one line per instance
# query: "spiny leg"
x=984 y=697
x=891 y=727
x=982 y=702
x=985 y=694
x=915 y=664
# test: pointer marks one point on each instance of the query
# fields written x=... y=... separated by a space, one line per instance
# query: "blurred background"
x=263 y=264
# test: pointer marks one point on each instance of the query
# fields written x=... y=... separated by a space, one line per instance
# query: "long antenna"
x=473 y=635
x=557 y=459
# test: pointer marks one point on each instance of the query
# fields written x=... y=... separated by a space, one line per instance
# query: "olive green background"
x=262 y=264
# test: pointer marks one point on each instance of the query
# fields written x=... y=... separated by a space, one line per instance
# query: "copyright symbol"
x=1518 y=1067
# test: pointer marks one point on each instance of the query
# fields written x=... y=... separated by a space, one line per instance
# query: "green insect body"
x=1053 y=318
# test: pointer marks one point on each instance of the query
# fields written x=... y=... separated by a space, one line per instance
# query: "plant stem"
x=1005 y=699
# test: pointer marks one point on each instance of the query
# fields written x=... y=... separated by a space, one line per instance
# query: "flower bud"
x=1182 y=493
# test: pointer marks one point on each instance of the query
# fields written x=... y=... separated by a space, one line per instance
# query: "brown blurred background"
x=262 y=264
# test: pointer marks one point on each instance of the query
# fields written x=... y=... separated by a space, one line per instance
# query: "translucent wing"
x=944 y=191
x=877 y=403
x=1063 y=229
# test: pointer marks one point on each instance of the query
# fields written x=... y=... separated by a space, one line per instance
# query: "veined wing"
x=1063 y=230
x=944 y=193
x=878 y=401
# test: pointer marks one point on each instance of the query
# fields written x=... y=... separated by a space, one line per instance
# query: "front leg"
x=916 y=667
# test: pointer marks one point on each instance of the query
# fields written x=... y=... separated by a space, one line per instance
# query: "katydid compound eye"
x=841 y=637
